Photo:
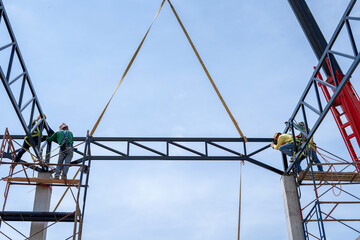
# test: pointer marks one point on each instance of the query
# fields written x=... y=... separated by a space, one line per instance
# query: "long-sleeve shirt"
x=283 y=139
x=59 y=137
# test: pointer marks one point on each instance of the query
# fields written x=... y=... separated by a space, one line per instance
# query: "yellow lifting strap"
x=207 y=73
x=126 y=70
x=199 y=58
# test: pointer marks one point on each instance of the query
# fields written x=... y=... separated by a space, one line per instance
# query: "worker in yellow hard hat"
x=36 y=135
x=283 y=143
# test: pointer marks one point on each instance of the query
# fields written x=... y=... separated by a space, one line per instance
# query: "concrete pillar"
x=358 y=238
x=292 y=208
x=41 y=204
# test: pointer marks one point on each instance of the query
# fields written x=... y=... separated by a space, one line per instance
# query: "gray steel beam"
x=229 y=154
x=163 y=139
x=5 y=79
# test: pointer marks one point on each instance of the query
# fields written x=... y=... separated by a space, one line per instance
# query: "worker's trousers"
x=64 y=158
x=25 y=147
x=288 y=149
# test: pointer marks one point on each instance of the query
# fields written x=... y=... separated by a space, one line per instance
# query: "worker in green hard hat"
x=311 y=148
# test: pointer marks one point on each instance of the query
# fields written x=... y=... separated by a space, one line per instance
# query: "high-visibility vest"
x=35 y=133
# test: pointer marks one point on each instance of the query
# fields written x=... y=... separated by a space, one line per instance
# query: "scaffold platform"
x=351 y=177
x=43 y=180
x=29 y=216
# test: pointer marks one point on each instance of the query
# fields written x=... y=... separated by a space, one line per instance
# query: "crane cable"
x=198 y=57
x=239 y=218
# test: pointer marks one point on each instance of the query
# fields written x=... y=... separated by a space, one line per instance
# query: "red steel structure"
x=346 y=112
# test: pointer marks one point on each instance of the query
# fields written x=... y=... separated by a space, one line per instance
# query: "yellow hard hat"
x=276 y=135
x=39 y=116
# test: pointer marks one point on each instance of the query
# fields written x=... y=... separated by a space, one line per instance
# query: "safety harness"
x=66 y=142
x=35 y=133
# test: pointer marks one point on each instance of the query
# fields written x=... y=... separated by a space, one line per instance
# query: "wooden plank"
x=334 y=176
x=44 y=180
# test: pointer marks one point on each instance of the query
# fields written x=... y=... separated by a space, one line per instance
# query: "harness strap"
x=66 y=143
x=37 y=130
x=35 y=133
x=66 y=137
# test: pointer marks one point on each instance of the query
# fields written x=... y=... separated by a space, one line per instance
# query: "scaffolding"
x=75 y=185
x=335 y=196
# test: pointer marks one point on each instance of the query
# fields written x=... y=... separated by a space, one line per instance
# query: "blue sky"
x=256 y=52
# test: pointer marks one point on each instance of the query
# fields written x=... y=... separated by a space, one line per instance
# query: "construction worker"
x=36 y=135
x=284 y=143
x=311 y=148
x=64 y=138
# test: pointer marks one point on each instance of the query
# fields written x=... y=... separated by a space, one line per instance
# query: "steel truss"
x=316 y=107
x=182 y=148
x=331 y=61
x=176 y=149
x=14 y=71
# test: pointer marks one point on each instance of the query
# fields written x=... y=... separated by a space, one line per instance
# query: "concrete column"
x=41 y=204
x=358 y=238
x=292 y=208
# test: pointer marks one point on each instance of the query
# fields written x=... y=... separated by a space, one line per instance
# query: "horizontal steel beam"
x=151 y=154
x=161 y=139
